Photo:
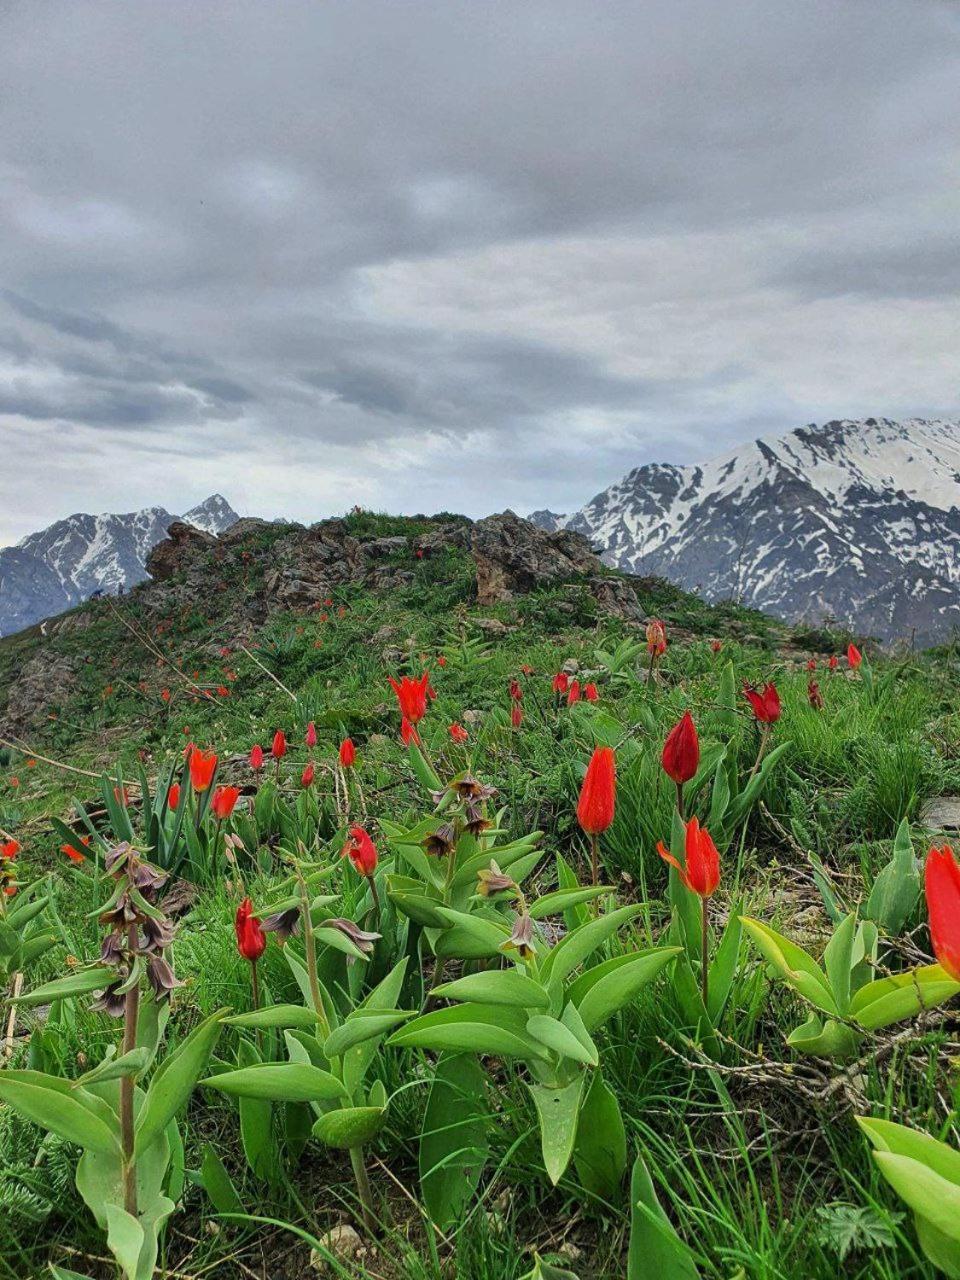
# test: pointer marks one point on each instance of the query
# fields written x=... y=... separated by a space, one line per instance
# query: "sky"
x=458 y=255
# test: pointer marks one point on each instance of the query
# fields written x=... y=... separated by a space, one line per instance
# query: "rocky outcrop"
x=175 y=552
x=44 y=681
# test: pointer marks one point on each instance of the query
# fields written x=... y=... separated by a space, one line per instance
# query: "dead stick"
x=279 y=683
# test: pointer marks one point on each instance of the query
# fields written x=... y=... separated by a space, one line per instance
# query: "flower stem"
x=131 y=1011
x=764 y=738
x=680 y=808
x=363 y=1190
x=310 y=950
x=376 y=898
x=704 y=943
x=594 y=859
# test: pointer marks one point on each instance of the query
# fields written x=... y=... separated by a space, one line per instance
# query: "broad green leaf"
x=276 y=1015
x=723 y=967
x=618 y=986
x=381 y=999
x=903 y=995
x=174 y=1080
x=927 y=1194
x=571 y=951
x=455 y=1138
x=497 y=986
x=656 y=1252
x=362 y=1025
x=600 y=1151
x=279 y=1082
x=76 y=984
x=349 y=1126
x=838 y=958
x=560 y=1039
x=471 y=1028
x=793 y=964
x=829 y=1039
x=64 y=1108
x=125 y=1239
x=471 y=937
x=133 y=1063
x=218 y=1184
x=561 y=900
x=900 y=1140
x=558 y=1111
x=896 y=889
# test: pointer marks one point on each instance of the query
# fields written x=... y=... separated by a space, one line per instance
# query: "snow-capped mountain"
x=54 y=569
x=855 y=521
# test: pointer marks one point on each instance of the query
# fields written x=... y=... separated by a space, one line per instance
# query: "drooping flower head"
x=203 y=765
x=681 y=751
x=223 y=802
x=942 y=887
x=701 y=872
x=361 y=851
x=765 y=702
x=598 y=793
x=411 y=696
x=251 y=940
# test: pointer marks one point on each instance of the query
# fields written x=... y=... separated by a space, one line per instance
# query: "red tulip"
x=279 y=748
x=73 y=851
x=716 y=645
x=681 y=751
x=256 y=757
x=854 y=656
x=814 y=696
x=598 y=794
x=202 y=768
x=311 y=738
x=458 y=733
x=573 y=692
x=942 y=885
x=10 y=848
x=306 y=778
x=411 y=696
x=656 y=638
x=561 y=682
x=833 y=662
x=811 y=664
x=348 y=753
x=516 y=692
x=173 y=796
x=702 y=871
x=516 y=715
x=765 y=702
x=591 y=692
x=224 y=799
x=441 y=661
x=361 y=851
x=251 y=940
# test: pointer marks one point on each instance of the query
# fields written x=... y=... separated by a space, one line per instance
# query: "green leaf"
x=454 y=1141
x=838 y=959
x=558 y=1111
x=471 y=1028
x=830 y=1039
x=561 y=1039
x=903 y=995
x=64 y=1108
x=901 y=1140
x=174 y=1080
x=618 y=986
x=361 y=1025
x=275 y=1015
x=600 y=1151
x=383 y=997
x=561 y=900
x=572 y=950
x=76 y=984
x=279 y=1082
x=125 y=1239
x=218 y=1184
x=896 y=889
x=133 y=1063
x=928 y=1194
x=793 y=964
x=656 y=1252
x=256 y=1123
x=421 y=770
x=471 y=937
x=349 y=1126
x=497 y=986
x=723 y=968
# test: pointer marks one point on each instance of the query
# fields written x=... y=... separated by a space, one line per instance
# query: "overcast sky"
x=460 y=256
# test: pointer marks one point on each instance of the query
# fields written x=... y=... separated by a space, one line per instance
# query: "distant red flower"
x=173 y=796
x=814 y=696
x=598 y=793
x=516 y=692
x=279 y=748
x=681 y=751
x=441 y=661
x=411 y=696
x=811 y=664
x=516 y=715
x=942 y=887
x=854 y=656
x=306 y=778
x=361 y=851
x=73 y=850
x=9 y=849
x=716 y=645
x=165 y=694
x=591 y=692
x=656 y=638
x=311 y=735
x=573 y=692
x=561 y=682
x=833 y=662
x=701 y=874
x=251 y=940
x=202 y=767
x=121 y=795
x=458 y=733
x=256 y=757
x=765 y=702
x=223 y=691
x=348 y=753
x=224 y=799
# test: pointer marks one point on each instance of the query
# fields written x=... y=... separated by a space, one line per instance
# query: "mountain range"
x=67 y=562
x=852 y=521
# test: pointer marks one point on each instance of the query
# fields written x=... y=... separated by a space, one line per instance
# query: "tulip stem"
x=363 y=1189
x=131 y=1013
x=310 y=954
x=764 y=738
x=704 y=943
x=594 y=859
x=376 y=898
x=680 y=809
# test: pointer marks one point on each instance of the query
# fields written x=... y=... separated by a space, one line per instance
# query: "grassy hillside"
x=751 y=1145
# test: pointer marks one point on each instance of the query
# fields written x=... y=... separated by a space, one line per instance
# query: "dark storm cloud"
x=489 y=253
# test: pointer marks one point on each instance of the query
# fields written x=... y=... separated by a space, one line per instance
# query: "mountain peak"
x=213 y=515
